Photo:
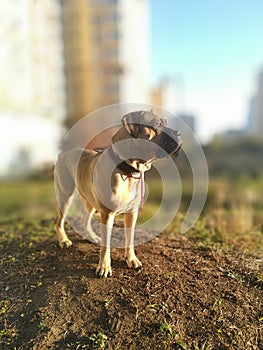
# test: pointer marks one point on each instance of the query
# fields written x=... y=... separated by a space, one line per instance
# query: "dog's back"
x=65 y=175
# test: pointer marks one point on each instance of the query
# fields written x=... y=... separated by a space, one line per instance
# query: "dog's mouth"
x=140 y=164
x=173 y=148
x=170 y=143
x=165 y=144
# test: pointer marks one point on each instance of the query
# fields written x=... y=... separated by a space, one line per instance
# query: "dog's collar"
x=128 y=172
x=127 y=169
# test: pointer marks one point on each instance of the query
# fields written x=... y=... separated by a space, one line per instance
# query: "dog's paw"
x=92 y=236
x=103 y=270
x=65 y=244
x=134 y=263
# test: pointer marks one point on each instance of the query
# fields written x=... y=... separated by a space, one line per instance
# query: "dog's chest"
x=128 y=194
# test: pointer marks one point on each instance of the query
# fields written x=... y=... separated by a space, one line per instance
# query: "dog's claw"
x=102 y=271
x=65 y=244
x=94 y=238
x=91 y=236
x=134 y=263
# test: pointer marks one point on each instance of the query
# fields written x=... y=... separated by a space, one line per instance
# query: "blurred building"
x=255 y=114
x=47 y=62
x=96 y=53
x=87 y=54
x=250 y=117
x=67 y=58
x=62 y=59
x=230 y=136
x=164 y=94
x=31 y=58
x=32 y=101
x=254 y=126
x=189 y=119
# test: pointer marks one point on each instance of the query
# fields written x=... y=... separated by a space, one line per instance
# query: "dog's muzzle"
x=169 y=141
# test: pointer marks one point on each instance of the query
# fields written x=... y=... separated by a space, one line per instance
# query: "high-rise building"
x=62 y=59
x=47 y=59
x=250 y=126
x=32 y=59
x=255 y=117
x=73 y=57
x=14 y=55
x=164 y=95
x=93 y=53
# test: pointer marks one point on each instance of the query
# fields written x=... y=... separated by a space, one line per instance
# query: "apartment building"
x=63 y=59
x=73 y=57
x=255 y=115
x=112 y=39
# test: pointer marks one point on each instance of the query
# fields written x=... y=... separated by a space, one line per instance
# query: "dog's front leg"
x=130 y=219
x=104 y=267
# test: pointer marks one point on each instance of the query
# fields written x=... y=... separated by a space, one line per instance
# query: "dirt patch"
x=185 y=297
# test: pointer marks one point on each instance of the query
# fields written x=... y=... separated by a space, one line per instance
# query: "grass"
x=26 y=199
x=98 y=340
x=232 y=216
x=232 y=219
x=167 y=328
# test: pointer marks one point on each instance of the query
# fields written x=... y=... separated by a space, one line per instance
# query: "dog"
x=111 y=182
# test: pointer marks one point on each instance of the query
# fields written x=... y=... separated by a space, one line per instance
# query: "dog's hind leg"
x=63 y=239
x=91 y=235
x=64 y=187
x=130 y=219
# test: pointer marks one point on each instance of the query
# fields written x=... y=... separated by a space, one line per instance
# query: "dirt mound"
x=185 y=297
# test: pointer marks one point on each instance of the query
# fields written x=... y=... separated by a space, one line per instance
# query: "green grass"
x=232 y=216
x=232 y=219
x=98 y=340
x=26 y=199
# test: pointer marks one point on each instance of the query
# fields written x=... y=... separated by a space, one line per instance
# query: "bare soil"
x=187 y=296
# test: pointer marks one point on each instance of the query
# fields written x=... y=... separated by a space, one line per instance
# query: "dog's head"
x=144 y=126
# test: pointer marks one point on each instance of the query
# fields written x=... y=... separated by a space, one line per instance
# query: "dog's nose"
x=178 y=136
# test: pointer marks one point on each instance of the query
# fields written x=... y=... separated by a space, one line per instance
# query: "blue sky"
x=215 y=47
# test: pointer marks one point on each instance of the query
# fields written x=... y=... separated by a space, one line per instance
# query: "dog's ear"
x=134 y=121
x=131 y=122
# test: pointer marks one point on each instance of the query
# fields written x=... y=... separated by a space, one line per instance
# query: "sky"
x=212 y=48
x=214 y=51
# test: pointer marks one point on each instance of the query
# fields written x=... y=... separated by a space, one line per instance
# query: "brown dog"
x=109 y=182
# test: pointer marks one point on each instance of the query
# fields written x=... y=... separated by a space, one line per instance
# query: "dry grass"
x=232 y=215
x=201 y=292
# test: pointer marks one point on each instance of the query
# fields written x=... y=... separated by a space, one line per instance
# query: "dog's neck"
x=124 y=167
